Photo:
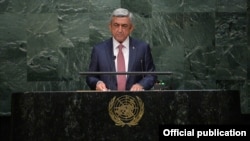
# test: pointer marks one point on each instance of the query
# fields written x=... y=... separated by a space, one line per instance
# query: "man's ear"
x=131 y=28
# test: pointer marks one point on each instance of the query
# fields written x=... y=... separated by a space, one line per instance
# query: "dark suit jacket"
x=140 y=59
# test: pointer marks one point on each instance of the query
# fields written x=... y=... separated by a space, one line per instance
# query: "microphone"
x=141 y=65
x=111 y=77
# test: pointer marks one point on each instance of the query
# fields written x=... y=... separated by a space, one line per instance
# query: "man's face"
x=120 y=27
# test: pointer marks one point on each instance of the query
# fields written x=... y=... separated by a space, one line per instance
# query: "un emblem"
x=126 y=110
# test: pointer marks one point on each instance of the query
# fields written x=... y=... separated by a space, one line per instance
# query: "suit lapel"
x=132 y=54
x=110 y=55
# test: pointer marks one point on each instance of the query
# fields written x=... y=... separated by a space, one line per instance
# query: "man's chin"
x=119 y=39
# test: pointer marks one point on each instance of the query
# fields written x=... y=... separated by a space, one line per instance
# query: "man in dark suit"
x=137 y=57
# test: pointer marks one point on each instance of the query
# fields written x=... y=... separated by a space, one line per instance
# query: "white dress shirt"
x=125 y=51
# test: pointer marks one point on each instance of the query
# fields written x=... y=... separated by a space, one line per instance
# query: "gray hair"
x=122 y=12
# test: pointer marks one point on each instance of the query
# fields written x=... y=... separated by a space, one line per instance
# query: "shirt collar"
x=125 y=43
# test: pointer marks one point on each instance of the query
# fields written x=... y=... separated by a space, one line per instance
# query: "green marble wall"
x=45 y=43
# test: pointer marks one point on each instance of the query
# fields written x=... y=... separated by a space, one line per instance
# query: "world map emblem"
x=126 y=110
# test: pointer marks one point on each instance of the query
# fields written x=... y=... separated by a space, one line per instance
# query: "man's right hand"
x=100 y=86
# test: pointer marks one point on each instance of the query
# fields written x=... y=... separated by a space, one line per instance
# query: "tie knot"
x=120 y=47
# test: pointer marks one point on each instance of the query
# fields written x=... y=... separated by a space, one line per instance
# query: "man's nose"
x=120 y=28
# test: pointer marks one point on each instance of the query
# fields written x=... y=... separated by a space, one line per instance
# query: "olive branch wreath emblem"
x=126 y=110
